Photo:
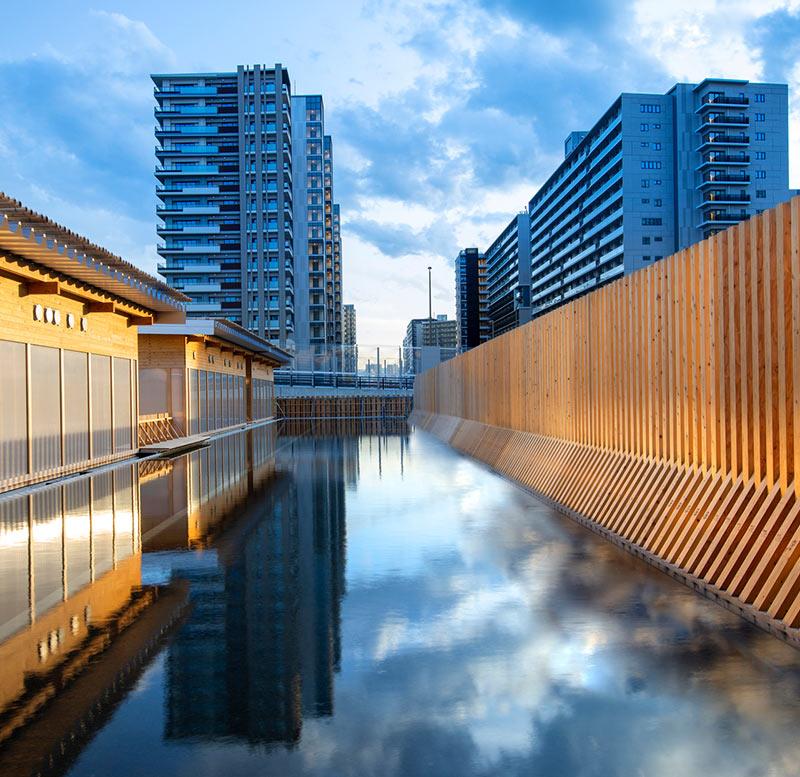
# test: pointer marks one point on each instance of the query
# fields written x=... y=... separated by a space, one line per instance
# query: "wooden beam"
x=100 y=307
x=140 y=320
x=40 y=287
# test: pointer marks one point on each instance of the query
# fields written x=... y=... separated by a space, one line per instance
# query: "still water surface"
x=362 y=604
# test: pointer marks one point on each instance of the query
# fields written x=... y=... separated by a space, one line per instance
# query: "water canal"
x=361 y=603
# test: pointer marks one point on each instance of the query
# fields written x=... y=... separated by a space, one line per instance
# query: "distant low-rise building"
x=439 y=331
x=207 y=374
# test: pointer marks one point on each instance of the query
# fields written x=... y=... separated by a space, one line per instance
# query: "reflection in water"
x=260 y=649
x=68 y=558
x=471 y=631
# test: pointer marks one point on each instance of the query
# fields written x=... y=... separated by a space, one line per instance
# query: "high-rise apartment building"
x=655 y=174
x=471 y=319
x=248 y=221
x=349 y=337
x=224 y=167
x=508 y=280
x=349 y=323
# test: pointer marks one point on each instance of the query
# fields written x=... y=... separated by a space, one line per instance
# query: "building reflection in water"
x=262 y=643
x=76 y=625
x=69 y=557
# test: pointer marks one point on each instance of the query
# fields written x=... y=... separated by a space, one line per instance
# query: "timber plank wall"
x=663 y=410
x=344 y=406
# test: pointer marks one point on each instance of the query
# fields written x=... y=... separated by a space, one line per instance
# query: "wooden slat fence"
x=663 y=408
x=344 y=406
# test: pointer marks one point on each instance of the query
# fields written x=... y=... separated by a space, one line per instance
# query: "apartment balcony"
x=721 y=139
x=190 y=170
x=732 y=179
x=203 y=307
x=724 y=198
x=206 y=229
x=193 y=210
x=184 y=190
x=184 y=151
x=724 y=120
x=198 y=129
x=729 y=160
x=721 y=101
x=194 y=288
x=723 y=218
x=180 y=91
x=612 y=272
x=194 y=269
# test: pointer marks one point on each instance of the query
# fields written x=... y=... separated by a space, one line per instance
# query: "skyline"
x=418 y=177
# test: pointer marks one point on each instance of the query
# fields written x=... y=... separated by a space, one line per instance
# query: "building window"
x=761 y=173
x=645 y=200
x=760 y=136
x=645 y=241
x=759 y=98
x=761 y=194
x=656 y=182
x=657 y=203
x=656 y=126
x=649 y=221
x=656 y=147
x=760 y=116
x=644 y=144
x=646 y=258
x=651 y=164
x=658 y=239
x=644 y=126
x=645 y=183
x=650 y=108
x=761 y=154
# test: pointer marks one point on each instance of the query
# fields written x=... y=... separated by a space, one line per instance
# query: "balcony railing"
x=725 y=159
x=724 y=198
x=711 y=100
x=724 y=139
x=725 y=119
x=736 y=178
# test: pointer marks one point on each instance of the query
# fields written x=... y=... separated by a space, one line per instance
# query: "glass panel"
x=14 y=574
x=194 y=400
x=122 y=405
x=76 y=407
x=202 y=405
x=13 y=410
x=77 y=526
x=101 y=405
x=46 y=550
x=45 y=407
x=218 y=401
x=123 y=513
x=102 y=523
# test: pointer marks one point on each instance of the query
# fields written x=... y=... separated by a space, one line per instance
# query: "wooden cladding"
x=665 y=407
x=343 y=406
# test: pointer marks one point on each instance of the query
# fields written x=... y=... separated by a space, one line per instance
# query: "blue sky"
x=446 y=116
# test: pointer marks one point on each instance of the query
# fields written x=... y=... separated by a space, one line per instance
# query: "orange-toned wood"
x=663 y=407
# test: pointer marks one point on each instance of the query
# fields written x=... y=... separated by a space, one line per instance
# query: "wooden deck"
x=177 y=444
